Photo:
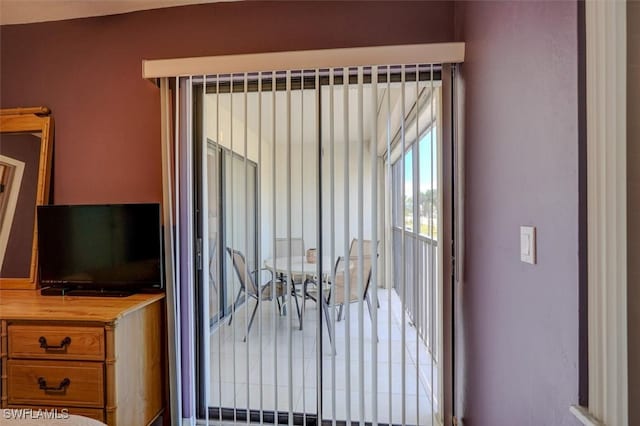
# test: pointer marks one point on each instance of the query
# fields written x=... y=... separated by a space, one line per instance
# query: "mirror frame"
x=24 y=120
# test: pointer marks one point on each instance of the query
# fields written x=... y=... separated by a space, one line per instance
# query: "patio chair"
x=366 y=247
x=341 y=270
x=250 y=288
x=336 y=290
x=297 y=250
x=366 y=250
x=353 y=253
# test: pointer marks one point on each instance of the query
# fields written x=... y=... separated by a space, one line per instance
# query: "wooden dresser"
x=100 y=357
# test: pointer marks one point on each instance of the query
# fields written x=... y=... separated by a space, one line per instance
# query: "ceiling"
x=302 y=124
x=29 y=11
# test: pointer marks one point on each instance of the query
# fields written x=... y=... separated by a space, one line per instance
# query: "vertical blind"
x=342 y=165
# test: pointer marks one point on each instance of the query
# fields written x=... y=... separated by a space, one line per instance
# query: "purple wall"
x=88 y=71
x=633 y=207
x=521 y=75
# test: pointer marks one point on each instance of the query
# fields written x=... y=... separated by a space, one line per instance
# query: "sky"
x=425 y=160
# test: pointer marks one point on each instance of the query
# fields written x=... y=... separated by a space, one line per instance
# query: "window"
x=428 y=183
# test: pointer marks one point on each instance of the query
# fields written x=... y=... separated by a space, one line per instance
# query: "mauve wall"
x=521 y=75
x=633 y=206
x=88 y=71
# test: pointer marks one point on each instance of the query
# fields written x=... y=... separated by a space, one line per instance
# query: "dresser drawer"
x=56 y=342
x=68 y=383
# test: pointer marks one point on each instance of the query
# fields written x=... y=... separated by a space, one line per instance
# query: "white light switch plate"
x=528 y=244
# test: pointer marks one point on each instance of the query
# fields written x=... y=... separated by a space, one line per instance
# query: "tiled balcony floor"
x=263 y=365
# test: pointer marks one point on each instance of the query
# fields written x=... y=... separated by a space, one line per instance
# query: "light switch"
x=528 y=244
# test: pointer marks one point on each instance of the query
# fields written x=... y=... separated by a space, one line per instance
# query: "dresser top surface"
x=30 y=305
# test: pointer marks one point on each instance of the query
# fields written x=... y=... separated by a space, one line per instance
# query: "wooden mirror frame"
x=31 y=120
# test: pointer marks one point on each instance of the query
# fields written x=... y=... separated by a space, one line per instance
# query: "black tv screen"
x=100 y=247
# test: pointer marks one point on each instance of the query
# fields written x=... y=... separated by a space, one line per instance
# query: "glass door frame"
x=202 y=408
x=205 y=325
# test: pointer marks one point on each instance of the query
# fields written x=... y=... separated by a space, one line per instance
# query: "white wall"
x=302 y=163
x=346 y=197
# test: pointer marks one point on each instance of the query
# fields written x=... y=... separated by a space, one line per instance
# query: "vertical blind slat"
x=374 y=246
x=332 y=244
x=360 y=245
x=246 y=234
x=319 y=241
x=289 y=274
x=347 y=218
x=233 y=306
x=434 y=252
x=219 y=269
x=403 y=255
x=304 y=417
x=417 y=225
x=392 y=199
x=259 y=234
x=204 y=336
x=273 y=242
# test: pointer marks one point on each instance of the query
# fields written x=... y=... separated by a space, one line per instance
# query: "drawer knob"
x=61 y=387
x=63 y=344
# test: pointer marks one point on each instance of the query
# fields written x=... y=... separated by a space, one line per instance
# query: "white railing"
x=421 y=277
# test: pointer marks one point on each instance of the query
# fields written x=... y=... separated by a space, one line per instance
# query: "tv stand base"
x=70 y=291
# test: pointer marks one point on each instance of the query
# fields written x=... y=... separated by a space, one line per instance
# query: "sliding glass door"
x=319 y=213
x=380 y=172
x=232 y=223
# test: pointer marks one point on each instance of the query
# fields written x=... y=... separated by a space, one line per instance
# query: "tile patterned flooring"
x=239 y=384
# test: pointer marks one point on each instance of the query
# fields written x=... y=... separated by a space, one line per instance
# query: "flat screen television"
x=111 y=250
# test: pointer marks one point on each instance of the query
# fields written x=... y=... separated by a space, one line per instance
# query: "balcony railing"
x=420 y=292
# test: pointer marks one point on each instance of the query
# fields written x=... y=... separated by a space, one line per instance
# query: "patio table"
x=300 y=267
